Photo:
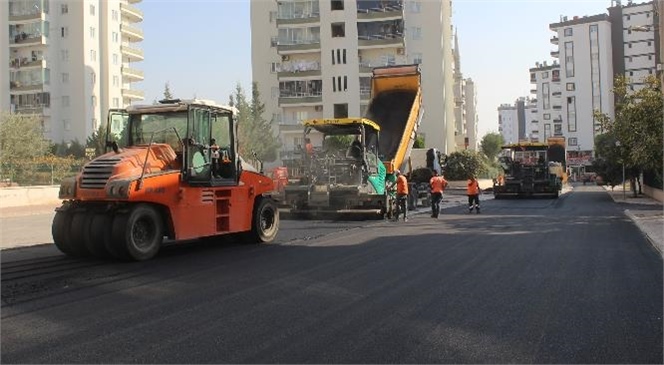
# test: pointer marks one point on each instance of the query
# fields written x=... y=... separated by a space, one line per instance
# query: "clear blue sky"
x=203 y=47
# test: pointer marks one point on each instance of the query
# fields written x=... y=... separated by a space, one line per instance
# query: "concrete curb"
x=645 y=231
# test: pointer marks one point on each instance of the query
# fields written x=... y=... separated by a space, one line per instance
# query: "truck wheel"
x=80 y=224
x=265 y=222
x=138 y=235
x=97 y=238
x=60 y=231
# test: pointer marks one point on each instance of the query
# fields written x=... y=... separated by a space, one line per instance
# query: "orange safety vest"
x=438 y=184
x=473 y=187
x=402 y=185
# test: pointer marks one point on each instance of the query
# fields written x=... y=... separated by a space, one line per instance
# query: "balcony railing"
x=554 y=40
x=369 y=40
x=132 y=73
x=131 y=12
x=135 y=54
x=307 y=12
x=28 y=39
x=17 y=86
x=27 y=10
x=555 y=54
x=25 y=62
x=368 y=66
x=365 y=93
x=287 y=45
x=381 y=10
x=286 y=97
x=135 y=34
x=299 y=69
x=133 y=94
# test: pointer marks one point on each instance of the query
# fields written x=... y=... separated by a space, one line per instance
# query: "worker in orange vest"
x=473 y=192
x=402 y=196
x=438 y=185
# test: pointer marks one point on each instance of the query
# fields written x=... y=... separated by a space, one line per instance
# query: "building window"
x=569 y=59
x=338 y=56
x=114 y=15
x=545 y=74
x=92 y=10
x=333 y=60
x=334 y=84
x=340 y=110
x=275 y=67
x=547 y=131
x=570 y=86
x=546 y=96
x=64 y=8
x=573 y=141
x=115 y=59
x=93 y=101
x=339 y=83
x=417 y=33
x=571 y=113
x=64 y=32
x=338 y=30
x=66 y=124
x=415 y=7
x=65 y=101
x=547 y=116
x=417 y=58
x=568 y=32
x=93 y=32
x=116 y=80
x=115 y=37
x=93 y=55
x=345 y=83
x=344 y=56
x=65 y=78
x=337 y=5
x=557 y=129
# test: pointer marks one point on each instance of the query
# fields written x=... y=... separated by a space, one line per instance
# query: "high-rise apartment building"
x=70 y=62
x=313 y=59
x=471 y=115
x=548 y=120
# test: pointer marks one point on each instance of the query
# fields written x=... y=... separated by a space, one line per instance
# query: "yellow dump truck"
x=359 y=156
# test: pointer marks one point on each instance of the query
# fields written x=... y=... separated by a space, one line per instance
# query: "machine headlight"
x=118 y=189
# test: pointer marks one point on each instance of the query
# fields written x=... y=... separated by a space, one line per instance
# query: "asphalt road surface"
x=527 y=281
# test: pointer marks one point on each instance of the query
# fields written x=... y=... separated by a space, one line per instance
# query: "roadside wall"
x=28 y=196
x=656 y=194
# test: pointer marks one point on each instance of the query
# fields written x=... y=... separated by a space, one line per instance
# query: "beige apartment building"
x=314 y=58
x=70 y=61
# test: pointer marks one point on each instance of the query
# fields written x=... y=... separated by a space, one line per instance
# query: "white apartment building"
x=548 y=113
x=313 y=59
x=472 y=120
x=531 y=113
x=460 y=132
x=508 y=123
x=70 y=61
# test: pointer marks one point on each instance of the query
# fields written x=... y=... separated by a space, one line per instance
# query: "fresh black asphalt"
x=527 y=281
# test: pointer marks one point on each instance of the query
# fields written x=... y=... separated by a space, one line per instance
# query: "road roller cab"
x=172 y=170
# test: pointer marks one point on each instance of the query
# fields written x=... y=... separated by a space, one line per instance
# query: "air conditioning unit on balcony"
x=318 y=108
x=285 y=58
x=401 y=51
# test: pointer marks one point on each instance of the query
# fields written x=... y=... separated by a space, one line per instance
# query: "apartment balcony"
x=26 y=18
x=533 y=91
x=380 y=10
x=27 y=11
x=32 y=109
x=300 y=99
x=554 y=40
x=19 y=87
x=132 y=74
x=557 y=107
x=299 y=74
x=365 y=93
x=132 y=13
x=28 y=40
x=134 y=54
x=133 y=94
x=134 y=34
x=555 y=54
x=380 y=40
x=368 y=66
x=298 y=18
x=26 y=63
x=300 y=46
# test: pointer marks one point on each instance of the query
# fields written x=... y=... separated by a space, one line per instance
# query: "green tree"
x=637 y=126
x=21 y=142
x=461 y=164
x=419 y=142
x=168 y=95
x=490 y=145
x=97 y=141
x=255 y=133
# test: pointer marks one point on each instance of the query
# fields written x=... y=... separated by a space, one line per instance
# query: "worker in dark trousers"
x=473 y=192
x=438 y=185
x=402 y=196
